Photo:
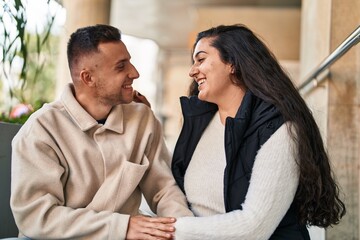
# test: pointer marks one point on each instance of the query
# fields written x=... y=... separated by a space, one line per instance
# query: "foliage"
x=26 y=70
x=23 y=117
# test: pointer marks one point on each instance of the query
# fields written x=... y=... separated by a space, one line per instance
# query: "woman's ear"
x=232 y=69
x=86 y=77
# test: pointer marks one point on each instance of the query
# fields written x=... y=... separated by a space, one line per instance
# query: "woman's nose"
x=193 y=71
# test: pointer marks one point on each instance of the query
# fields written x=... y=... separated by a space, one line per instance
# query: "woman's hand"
x=150 y=228
x=139 y=98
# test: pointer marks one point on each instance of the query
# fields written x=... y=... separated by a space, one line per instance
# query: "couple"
x=249 y=162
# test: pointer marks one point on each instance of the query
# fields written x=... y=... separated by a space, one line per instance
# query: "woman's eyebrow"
x=198 y=53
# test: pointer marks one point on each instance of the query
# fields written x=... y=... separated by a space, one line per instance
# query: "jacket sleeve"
x=158 y=185
x=271 y=191
x=38 y=201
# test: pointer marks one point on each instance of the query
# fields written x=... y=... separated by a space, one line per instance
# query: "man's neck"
x=97 y=110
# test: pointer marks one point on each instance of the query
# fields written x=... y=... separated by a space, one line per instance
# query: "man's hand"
x=139 y=98
x=150 y=228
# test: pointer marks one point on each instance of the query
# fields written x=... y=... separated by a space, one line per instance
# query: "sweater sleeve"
x=158 y=185
x=273 y=185
x=38 y=198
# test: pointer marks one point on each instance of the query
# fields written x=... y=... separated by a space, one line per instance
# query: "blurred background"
x=307 y=36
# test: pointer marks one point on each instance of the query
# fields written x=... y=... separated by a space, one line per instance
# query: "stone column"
x=79 y=13
x=175 y=68
x=343 y=117
x=335 y=102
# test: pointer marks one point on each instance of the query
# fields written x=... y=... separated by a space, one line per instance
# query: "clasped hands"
x=150 y=228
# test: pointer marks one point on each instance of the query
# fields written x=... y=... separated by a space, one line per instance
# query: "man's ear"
x=86 y=77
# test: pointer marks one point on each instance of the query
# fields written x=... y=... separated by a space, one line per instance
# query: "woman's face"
x=210 y=73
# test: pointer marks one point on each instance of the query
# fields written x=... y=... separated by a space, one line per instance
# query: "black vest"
x=254 y=123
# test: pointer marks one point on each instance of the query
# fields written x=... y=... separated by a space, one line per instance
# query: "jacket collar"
x=253 y=112
x=83 y=119
x=193 y=106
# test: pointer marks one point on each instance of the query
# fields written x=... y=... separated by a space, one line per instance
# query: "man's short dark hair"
x=87 y=39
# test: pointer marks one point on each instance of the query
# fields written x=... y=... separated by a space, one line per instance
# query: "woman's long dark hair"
x=257 y=69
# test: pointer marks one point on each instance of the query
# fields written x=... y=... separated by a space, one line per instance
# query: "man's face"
x=113 y=74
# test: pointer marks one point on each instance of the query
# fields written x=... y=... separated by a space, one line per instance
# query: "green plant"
x=24 y=56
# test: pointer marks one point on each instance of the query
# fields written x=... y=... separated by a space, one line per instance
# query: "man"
x=81 y=163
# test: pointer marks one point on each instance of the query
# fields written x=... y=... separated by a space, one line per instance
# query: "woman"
x=250 y=156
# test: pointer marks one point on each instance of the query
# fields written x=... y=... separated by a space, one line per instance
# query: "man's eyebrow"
x=121 y=61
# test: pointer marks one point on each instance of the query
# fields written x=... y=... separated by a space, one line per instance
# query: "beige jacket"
x=75 y=178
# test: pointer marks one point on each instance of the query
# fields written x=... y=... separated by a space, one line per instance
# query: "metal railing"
x=319 y=73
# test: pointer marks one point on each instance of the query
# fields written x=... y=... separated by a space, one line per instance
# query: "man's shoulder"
x=47 y=110
x=47 y=113
x=141 y=115
x=137 y=108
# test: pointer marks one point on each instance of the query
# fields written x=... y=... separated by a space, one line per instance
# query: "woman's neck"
x=229 y=105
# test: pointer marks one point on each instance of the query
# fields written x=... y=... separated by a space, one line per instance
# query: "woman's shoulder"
x=281 y=139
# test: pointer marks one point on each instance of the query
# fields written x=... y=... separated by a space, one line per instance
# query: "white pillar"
x=79 y=13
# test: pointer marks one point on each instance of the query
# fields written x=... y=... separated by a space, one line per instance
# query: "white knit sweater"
x=206 y=169
x=273 y=185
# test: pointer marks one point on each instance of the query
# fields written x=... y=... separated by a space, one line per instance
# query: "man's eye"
x=120 y=67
